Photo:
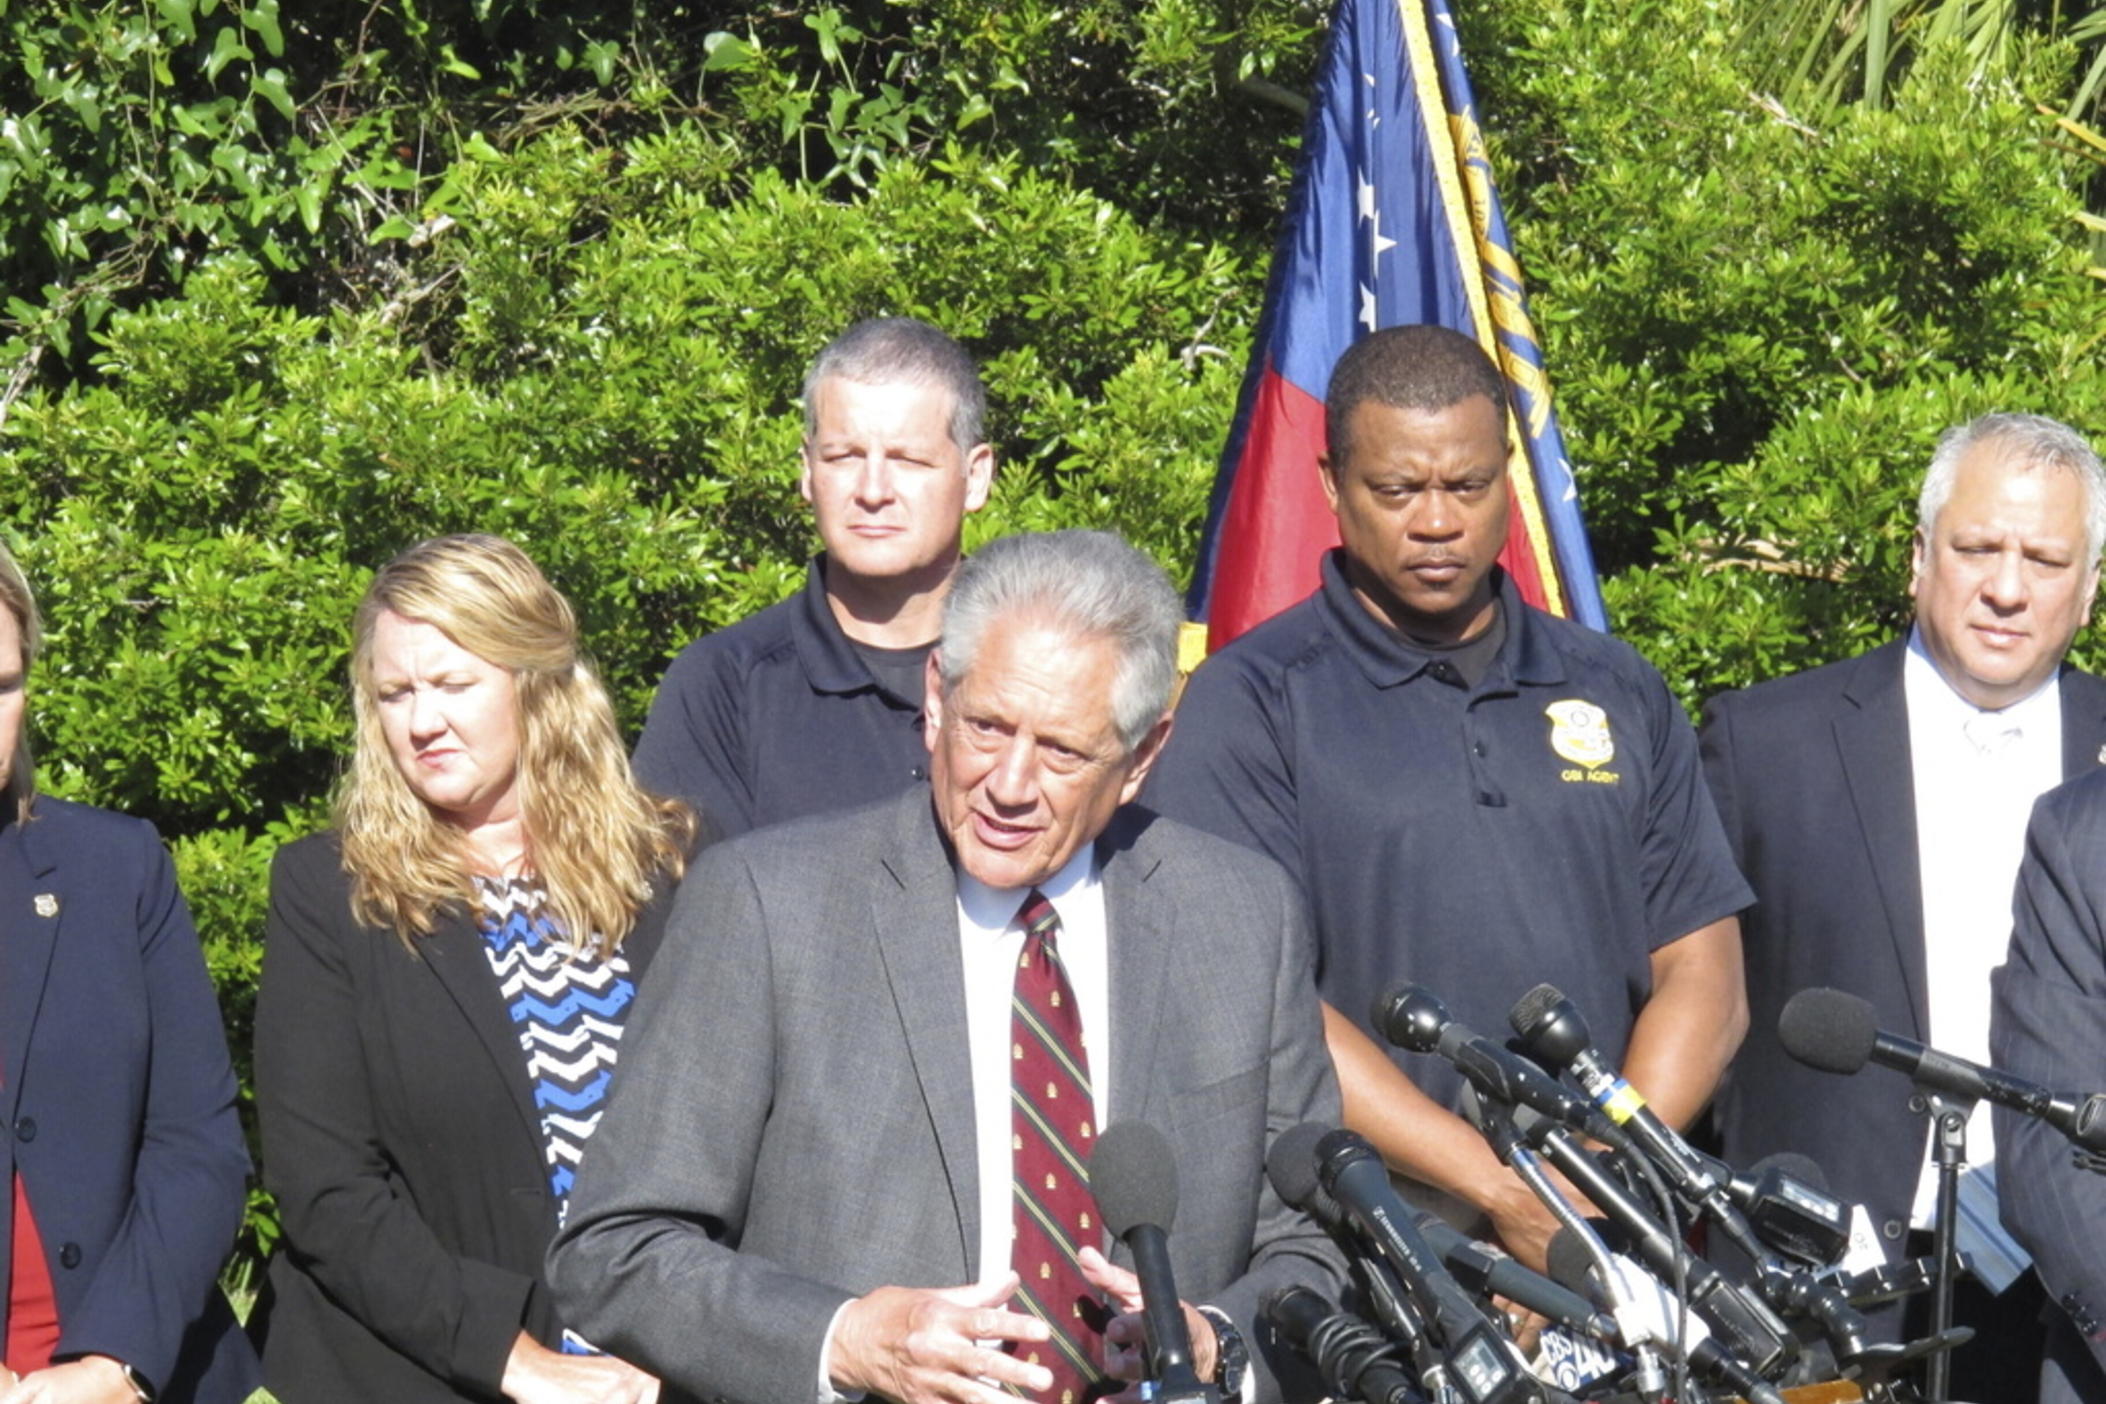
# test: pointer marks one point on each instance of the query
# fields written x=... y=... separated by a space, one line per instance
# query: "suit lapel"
x=31 y=913
x=1140 y=927
x=914 y=919
x=1872 y=741
x=453 y=953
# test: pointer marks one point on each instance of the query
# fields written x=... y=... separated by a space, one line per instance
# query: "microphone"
x=1651 y=1316
x=1481 y=1368
x=1733 y=1308
x=1786 y=1199
x=1290 y=1166
x=1479 y=1267
x=1837 y=1032
x=1134 y=1178
x=1553 y=1032
x=1413 y=1017
x=1350 y=1354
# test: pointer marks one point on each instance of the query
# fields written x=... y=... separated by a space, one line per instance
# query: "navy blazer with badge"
x=402 y=1142
x=1812 y=778
x=120 y=1100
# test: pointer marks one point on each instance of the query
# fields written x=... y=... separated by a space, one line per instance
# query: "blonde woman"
x=445 y=981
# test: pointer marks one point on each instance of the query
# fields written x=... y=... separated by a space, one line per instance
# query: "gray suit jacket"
x=793 y=1123
x=2048 y=1023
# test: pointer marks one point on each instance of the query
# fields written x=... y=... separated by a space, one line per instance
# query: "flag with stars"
x=1393 y=221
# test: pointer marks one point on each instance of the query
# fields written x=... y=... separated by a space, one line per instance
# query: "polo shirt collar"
x=831 y=662
x=1526 y=656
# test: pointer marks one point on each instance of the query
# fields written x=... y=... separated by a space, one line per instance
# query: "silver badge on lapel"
x=46 y=904
x=2102 y=755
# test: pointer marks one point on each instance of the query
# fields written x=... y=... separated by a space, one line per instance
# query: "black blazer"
x=1811 y=775
x=120 y=1099
x=401 y=1140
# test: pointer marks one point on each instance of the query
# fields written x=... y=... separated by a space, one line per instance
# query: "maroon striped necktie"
x=1053 y=1126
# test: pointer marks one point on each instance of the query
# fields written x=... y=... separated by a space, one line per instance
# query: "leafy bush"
x=293 y=290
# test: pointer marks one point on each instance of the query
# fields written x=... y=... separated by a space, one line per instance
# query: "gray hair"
x=887 y=350
x=1090 y=583
x=2034 y=440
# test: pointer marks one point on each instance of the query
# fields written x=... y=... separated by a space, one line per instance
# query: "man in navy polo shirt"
x=815 y=703
x=1474 y=795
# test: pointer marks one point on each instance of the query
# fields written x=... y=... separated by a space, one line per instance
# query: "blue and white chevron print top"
x=568 y=1013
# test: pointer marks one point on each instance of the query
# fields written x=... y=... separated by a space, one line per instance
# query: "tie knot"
x=1037 y=916
x=1991 y=732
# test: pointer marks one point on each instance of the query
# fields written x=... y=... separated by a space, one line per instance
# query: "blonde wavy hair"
x=595 y=841
x=17 y=599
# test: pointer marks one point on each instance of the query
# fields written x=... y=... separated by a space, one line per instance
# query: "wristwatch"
x=1231 y=1356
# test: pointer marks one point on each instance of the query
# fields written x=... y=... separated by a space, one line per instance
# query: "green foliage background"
x=287 y=291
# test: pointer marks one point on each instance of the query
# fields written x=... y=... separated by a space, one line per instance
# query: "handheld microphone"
x=1291 y=1167
x=1553 y=1032
x=1134 y=1178
x=1786 y=1199
x=1413 y=1017
x=1351 y=1355
x=1838 y=1032
x=1479 y=1364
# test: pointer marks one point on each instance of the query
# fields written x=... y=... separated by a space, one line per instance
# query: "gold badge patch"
x=1579 y=732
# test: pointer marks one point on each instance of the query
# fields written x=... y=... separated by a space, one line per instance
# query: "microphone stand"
x=1949 y=1114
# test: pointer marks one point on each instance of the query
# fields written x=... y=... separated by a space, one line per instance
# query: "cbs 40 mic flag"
x=1393 y=221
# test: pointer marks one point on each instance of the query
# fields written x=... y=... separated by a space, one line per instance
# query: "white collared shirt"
x=990 y=941
x=1976 y=775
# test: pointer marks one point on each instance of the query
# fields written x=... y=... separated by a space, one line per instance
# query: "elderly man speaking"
x=847 y=1152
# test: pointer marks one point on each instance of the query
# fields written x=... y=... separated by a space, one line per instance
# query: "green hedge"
x=292 y=291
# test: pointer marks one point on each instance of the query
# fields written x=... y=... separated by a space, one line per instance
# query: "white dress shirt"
x=991 y=940
x=1976 y=775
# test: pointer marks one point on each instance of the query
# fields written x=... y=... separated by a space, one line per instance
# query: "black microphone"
x=1351 y=1355
x=1134 y=1178
x=1291 y=1166
x=1413 y=1017
x=1837 y=1032
x=1480 y=1366
x=1553 y=1032
x=1786 y=1199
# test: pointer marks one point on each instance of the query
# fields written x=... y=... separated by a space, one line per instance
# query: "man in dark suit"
x=814 y=704
x=1877 y=805
x=2049 y=1024
x=812 y=1178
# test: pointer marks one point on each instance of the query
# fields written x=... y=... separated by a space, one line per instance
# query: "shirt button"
x=1477 y=747
x=919 y=772
x=26 y=1129
x=69 y=1255
x=1893 y=1229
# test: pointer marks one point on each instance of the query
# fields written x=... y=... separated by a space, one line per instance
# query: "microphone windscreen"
x=1290 y=1166
x=1533 y=1006
x=1570 y=1262
x=1832 y=1030
x=1802 y=1168
x=1134 y=1177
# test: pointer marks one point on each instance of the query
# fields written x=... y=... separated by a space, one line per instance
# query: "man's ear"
x=979 y=476
x=931 y=699
x=1144 y=757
